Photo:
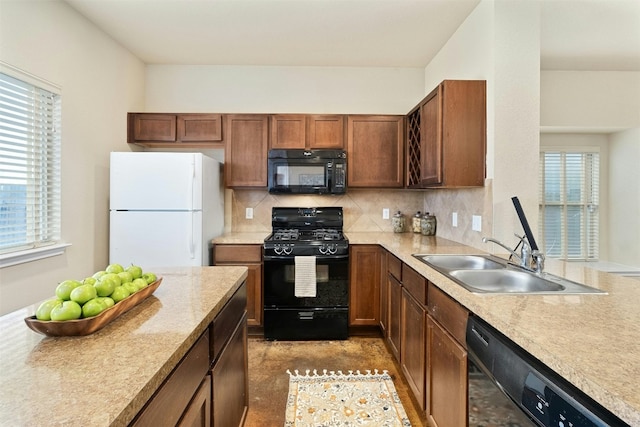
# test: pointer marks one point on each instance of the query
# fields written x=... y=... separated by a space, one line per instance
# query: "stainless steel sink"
x=462 y=262
x=485 y=274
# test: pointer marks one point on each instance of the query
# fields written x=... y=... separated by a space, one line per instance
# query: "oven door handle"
x=291 y=257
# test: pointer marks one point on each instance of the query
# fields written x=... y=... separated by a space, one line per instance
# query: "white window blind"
x=569 y=204
x=29 y=165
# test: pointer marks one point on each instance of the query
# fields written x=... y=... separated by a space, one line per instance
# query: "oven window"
x=296 y=175
x=322 y=273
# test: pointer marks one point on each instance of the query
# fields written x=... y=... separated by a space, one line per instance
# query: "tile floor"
x=269 y=381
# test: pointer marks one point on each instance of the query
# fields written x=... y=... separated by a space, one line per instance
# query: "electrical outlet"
x=454 y=219
x=477 y=223
x=385 y=213
x=248 y=213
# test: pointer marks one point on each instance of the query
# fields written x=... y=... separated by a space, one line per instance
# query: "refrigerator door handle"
x=192 y=245
x=193 y=181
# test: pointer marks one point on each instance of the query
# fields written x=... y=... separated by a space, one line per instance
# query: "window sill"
x=7 y=260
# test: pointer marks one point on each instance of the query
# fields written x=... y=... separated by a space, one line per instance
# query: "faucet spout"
x=499 y=243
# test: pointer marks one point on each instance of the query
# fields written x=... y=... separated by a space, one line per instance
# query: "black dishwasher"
x=509 y=387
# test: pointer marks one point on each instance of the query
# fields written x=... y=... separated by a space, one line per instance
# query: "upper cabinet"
x=306 y=131
x=446 y=137
x=173 y=130
x=375 y=151
x=245 y=150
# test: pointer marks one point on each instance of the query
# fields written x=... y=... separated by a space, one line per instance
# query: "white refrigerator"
x=164 y=208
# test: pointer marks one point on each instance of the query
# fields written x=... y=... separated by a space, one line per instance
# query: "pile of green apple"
x=77 y=299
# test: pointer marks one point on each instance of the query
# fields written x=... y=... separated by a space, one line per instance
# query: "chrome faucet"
x=524 y=257
x=528 y=259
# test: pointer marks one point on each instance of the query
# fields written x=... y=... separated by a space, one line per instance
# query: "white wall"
x=624 y=195
x=499 y=42
x=590 y=100
x=262 y=89
x=100 y=82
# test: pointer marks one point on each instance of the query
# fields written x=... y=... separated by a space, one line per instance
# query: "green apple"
x=108 y=301
x=89 y=281
x=105 y=286
x=120 y=293
x=99 y=274
x=140 y=283
x=135 y=271
x=68 y=310
x=114 y=268
x=125 y=277
x=113 y=276
x=44 y=310
x=63 y=290
x=83 y=293
x=149 y=277
x=130 y=287
x=93 y=307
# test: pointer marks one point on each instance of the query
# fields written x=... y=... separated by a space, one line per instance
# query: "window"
x=29 y=164
x=569 y=203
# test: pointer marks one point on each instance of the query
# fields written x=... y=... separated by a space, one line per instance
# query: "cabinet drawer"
x=237 y=254
x=394 y=266
x=226 y=321
x=415 y=284
x=448 y=312
x=172 y=398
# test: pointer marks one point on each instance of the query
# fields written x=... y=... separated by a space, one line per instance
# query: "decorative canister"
x=428 y=225
x=415 y=222
x=398 y=222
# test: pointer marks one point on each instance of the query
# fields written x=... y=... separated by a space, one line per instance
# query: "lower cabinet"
x=364 y=292
x=395 y=310
x=413 y=339
x=209 y=386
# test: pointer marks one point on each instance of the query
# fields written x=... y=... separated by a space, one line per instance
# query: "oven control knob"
x=323 y=249
x=332 y=248
x=287 y=249
x=278 y=250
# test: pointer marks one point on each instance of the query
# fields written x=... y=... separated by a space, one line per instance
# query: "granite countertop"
x=105 y=378
x=593 y=341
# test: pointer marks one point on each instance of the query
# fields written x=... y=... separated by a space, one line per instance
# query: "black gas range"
x=306 y=275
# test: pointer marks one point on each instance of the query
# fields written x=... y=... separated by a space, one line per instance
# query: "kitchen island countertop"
x=593 y=341
x=104 y=379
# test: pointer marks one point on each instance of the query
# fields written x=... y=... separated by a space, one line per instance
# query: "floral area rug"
x=331 y=399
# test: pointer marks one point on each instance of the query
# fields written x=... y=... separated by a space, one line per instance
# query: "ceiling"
x=575 y=34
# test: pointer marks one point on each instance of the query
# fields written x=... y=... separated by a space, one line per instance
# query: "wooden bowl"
x=79 y=327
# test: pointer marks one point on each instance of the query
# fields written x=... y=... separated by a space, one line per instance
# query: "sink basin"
x=485 y=274
x=461 y=262
x=504 y=281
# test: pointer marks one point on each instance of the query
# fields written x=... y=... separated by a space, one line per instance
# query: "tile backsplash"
x=363 y=209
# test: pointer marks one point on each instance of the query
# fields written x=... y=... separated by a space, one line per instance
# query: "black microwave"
x=298 y=171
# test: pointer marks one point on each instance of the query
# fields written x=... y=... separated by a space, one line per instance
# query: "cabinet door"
x=364 y=295
x=395 y=309
x=325 y=132
x=198 y=413
x=412 y=356
x=200 y=127
x=375 y=151
x=431 y=139
x=288 y=131
x=152 y=127
x=254 y=295
x=246 y=148
x=384 y=293
x=229 y=381
x=446 y=378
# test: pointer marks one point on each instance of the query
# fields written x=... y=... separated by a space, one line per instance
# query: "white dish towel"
x=305 y=276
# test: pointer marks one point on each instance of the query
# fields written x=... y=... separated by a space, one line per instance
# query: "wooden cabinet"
x=251 y=257
x=413 y=353
x=246 y=146
x=375 y=153
x=230 y=380
x=364 y=295
x=384 y=293
x=174 y=130
x=171 y=401
x=394 y=276
x=198 y=413
x=446 y=361
x=306 y=131
x=446 y=137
